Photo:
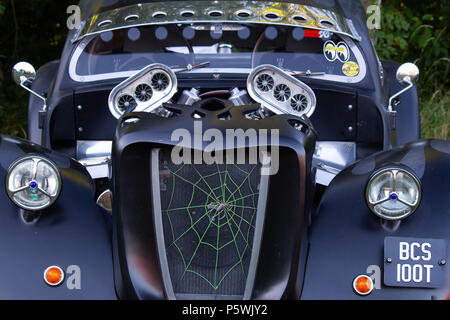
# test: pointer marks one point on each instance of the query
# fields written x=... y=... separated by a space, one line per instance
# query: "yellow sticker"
x=350 y=69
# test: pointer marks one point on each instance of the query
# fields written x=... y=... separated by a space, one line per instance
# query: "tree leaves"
x=416 y=31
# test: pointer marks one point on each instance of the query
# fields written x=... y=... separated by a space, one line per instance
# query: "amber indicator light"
x=53 y=276
x=363 y=285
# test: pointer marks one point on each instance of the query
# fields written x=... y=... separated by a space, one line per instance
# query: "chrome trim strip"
x=259 y=228
x=171 y=12
x=159 y=228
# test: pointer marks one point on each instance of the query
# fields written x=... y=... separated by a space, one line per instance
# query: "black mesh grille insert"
x=208 y=217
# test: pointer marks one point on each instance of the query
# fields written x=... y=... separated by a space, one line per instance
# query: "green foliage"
x=417 y=31
x=418 y=34
x=392 y=38
x=28 y=34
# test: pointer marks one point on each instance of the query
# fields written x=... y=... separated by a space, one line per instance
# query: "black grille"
x=208 y=216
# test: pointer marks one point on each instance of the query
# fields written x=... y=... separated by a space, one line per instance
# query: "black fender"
x=45 y=77
x=73 y=232
x=347 y=239
x=408 y=111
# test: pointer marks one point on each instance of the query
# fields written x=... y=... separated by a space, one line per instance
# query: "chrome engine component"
x=240 y=97
x=257 y=114
x=280 y=92
x=189 y=97
x=146 y=91
x=330 y=158
x=95 y=157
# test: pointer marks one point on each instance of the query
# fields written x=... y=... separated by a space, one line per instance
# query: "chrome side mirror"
x=22 y=72
x=408 y=73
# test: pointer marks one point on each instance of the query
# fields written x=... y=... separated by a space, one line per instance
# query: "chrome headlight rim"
x=36 y=159
x=394 y=169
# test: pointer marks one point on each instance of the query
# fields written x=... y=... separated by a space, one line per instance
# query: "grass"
x=435 y=115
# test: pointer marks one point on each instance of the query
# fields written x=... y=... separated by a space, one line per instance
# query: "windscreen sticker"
x=335 y=52
x=322 y=34
x=350 y=69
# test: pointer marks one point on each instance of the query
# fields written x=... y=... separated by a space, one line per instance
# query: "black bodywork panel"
x=72 y=232
x=43 y=83
x=346 y=237
x=332 y=119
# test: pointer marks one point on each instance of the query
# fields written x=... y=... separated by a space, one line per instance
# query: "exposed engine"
x=274 y=89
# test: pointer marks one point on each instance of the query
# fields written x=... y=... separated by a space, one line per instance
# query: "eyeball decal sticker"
x=335 y=52
x=329 y=50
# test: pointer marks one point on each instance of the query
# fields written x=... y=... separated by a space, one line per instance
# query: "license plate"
x=414 y=262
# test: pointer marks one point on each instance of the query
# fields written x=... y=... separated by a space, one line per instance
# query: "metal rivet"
x=80 y=129
x=442 y=262
x=350 y=107
x=350 y=129
x=388 y=260
x=80 y=107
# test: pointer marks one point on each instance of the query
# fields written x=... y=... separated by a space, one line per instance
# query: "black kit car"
x=131 y=187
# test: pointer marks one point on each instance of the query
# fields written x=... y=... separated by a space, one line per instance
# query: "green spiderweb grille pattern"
x=209 y=215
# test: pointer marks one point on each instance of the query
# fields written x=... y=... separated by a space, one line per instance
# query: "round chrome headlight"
x=393 y=193
x=33 y=183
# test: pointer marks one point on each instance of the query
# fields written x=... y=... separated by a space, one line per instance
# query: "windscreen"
x=226 y=47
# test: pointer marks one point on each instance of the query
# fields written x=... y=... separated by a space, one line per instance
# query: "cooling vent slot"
x=127 y=103
x=143 y=92
x=299 y=102
x=282 y=92
x=265 y=82
x=160 y=81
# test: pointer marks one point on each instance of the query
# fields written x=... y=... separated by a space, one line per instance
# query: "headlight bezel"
x=394 y=170
x=36 y=160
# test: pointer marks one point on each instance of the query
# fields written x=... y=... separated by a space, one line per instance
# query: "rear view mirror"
x=22 y=72
x=408 y=73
